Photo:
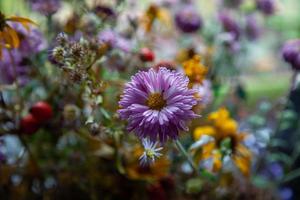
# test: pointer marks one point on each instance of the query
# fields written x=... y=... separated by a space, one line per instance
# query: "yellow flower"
x=8 y=36
x=152 y=13
x=195 y=70
x=221 y=129
x=203 y=130
x=222 y=121
x=185 y=54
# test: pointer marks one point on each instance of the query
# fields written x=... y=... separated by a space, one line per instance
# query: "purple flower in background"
x=204 y=92
x=253 y=30
x=286 y=193
x=157 y=104
x=276 y=170
x=31 y=42
x=230 y=42
x=291 y=53
x=8 y=73
x=273 y=171
x=266 y=6
x=45 y=7
x=114 y=40
x=188 y=20
x=229 y=24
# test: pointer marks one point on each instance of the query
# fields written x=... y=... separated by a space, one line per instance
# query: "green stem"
x=49 y=27
x=18 y=91
x=26 y=146
x=188 y=157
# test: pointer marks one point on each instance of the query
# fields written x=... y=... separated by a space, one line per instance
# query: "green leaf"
x=90 y=120
x=105 y=113
x=260 y=181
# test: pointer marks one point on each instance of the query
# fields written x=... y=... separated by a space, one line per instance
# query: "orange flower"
x=223 y=128
x=8 y=36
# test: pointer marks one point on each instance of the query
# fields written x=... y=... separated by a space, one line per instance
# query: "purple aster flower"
x=157 y=104
x=266 y=6
x=45 y=7
x=252 y=28
x=114 y=40
x=188 y=20
x=230 y=25
x=291 y=53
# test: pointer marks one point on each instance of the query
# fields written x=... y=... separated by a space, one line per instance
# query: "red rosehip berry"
x=42 y=111
x=147 y=55
x=29 y=124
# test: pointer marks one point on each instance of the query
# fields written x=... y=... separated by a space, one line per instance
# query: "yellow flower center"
x=150 y=153
x=156 y=101
x=233 y=141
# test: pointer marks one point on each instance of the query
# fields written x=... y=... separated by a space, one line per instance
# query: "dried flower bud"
x=58 y=54
x=94 y=128
x=77 y=75
x=62 y=39
x=71 y=112
x=77 y=51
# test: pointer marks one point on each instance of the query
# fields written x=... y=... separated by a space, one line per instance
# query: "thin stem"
x=92 y=63
x=49 y=26
x=118 y=156
x=18 y=95
x=2 y=101
x=24 y=143
x=188 y=157
x=292 y=87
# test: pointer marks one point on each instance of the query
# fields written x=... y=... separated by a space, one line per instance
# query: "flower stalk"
x=187 y=156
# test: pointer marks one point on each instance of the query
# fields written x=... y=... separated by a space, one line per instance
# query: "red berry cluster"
x=40 y=113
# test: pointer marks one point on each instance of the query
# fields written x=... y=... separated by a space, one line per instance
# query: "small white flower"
x=150 y=152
